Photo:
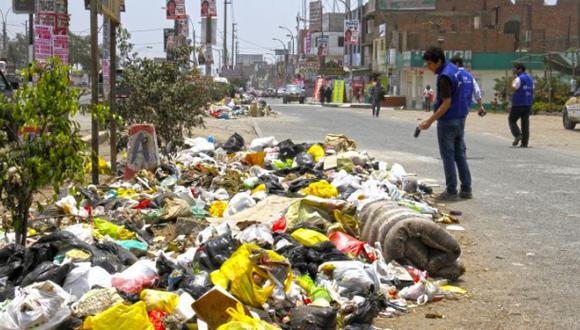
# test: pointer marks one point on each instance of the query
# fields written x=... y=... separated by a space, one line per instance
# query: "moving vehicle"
x=571 y=113
x=294 y=93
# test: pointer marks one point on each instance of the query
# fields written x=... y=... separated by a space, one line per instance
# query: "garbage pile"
x=172 y=248
x=240 y=106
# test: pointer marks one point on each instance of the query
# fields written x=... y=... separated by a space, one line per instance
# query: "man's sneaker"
x=517 y=141
x=446 y=197
x=466 y=195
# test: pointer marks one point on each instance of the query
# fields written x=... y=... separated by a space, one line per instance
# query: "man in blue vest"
x=522 y=100
x=470 y=85
x=450 y=113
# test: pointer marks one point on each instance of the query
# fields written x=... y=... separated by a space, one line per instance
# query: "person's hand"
x=426 y=124
x=481 y=112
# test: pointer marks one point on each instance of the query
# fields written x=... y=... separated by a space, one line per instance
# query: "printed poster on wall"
x=175 y=9
x=60 y=48
x=351 y=32
x=42 y=42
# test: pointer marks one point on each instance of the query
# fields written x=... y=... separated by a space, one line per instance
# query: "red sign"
x=42 y=42
x=60 y=48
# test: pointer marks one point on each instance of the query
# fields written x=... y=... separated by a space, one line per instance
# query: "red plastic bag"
x=143 y=204
x=346 y=243
x=279 y=225
x=156 y=317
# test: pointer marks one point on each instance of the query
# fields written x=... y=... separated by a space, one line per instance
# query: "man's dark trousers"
x=450 y=134
x=522 y=113
x=376 y=108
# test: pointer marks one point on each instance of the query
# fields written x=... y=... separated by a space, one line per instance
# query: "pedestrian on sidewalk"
x=522 y=101
x=322 y=93
x=470 y=86
x=428 y=97
x=377 y=94
x=450 y=113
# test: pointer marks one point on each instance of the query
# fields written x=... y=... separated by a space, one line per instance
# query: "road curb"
x=257 y=129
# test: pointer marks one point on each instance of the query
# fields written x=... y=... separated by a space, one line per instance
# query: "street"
x=520 y=244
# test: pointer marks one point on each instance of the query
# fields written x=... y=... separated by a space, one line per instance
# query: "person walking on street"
x=377 y=94
x=450 y=112
x=428 y=96
x=522 y=100
x=322 y=92
x=470 y=85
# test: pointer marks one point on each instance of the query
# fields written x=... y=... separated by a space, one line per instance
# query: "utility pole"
x=208 y=45
x=234 y=31
x=30 y=38
x=225 y=52
x=95 y=94
x=113 y=94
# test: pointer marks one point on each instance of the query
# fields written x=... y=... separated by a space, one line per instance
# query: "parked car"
x=294 y=93
x=7 y=87
x=571 y=115
x=280 y=92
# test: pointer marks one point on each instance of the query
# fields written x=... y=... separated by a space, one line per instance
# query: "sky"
x=257 y=20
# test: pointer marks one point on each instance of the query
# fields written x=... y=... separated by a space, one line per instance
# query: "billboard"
x=42 y=42
x=169 y=40
x=322 y=44
x=111 y=9
x=407 y=4
x=175 y=9
x=351 y=32
x=208 y=8
x=315 y=16
x=23 y=6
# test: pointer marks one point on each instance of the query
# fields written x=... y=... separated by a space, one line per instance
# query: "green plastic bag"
x=104 y=228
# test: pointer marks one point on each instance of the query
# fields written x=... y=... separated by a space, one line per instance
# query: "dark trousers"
x=516 y=114
x=376 y=108
x=450 y=134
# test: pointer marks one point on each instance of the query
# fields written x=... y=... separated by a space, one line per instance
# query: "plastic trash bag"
x=156 y=318
x=213 y=253
x=104 y=228
x=241 y=321
x=68 y=205
x=255 y=158
x=252 y=273
x=313 y=318
x=96 y=301
x=140 y=275
x=120 y=316
x=346 y=243
x=84 y=277
x=317 y=152
x=47 y=271
x=82 y=231
x=304 y=159
x=259 y=234
x=340 y=142
x=289 y=150
x=308 y=237
x=159 y=300
x=354 y=278
x=239 y=203
x=319 y=296
x=259 y=144
x=217 y=209
x=321 y=189
x=40 y=306
x=235 y=143
x=133 y=245
x=196 y=285
x=198 y=145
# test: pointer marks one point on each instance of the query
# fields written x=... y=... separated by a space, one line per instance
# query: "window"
x=477 y=22
x=340 y=41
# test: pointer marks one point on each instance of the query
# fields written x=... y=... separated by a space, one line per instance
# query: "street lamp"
x=285 y=58
x=4 y=34
x=291 y=35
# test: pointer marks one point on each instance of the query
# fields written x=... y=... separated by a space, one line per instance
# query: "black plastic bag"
x=11 y=261
x=112 y=258
x=299 y=184
x=215 y=252
x=47 y=271
x=365 y=312
x=313 y=318
x=304 y=159
x=196 y=285
x=288 y=150
x=165 y=268
x=90 y=195
x=6 y=289
x=272 y=184
x=124 y=255
x=234 y=144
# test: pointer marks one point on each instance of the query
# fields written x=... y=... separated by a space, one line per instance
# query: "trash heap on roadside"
x=172 y=248
x=240 y=106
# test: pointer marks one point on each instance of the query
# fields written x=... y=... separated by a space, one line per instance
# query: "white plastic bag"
x=259 y=234
x=198 y=145
x=41 y=306
x=260 y=143
x=140 y=275
x=82 y=231
x=397 y=173
x=69 y=205
x=239 y=203
x=353 y=278
x=82 y=278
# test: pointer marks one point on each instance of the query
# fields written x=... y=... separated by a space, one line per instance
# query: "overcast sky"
x=258 y=22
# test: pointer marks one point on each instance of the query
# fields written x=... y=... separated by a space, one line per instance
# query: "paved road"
x=524 y=218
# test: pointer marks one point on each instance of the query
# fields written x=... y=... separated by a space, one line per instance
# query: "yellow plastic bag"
x=321 y=189
x=104 y=228
x=159 y=300
x=245 y=273
x=120 y=316
x=126 y=193
x=308 y=237
x=317 y=152
x=241 y=321
x=104 y=167
x=260 y=187
x=217 y=209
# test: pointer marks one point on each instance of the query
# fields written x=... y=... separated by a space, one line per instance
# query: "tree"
x=80 y=51
x=125 y=47
x=54 y=152
x=169 y=95
x=16 y=50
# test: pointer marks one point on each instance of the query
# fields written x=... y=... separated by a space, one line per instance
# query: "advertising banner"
x=315 y=16
x=208 y=8
x=351 y=32
x=42 y=42
x=23 y=6
x=60 y=48
x=407 y=4
x=322 y=44
x=175 y=9
x=338 y=91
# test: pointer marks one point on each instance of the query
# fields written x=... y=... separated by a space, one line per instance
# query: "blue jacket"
x=524 y=96
x=468 y=86
x=458 y=107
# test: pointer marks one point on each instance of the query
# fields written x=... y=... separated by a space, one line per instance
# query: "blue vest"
x=468 y=86
x=458 y=107
x=524 y=96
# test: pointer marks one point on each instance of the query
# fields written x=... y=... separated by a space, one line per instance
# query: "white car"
x=571 y=115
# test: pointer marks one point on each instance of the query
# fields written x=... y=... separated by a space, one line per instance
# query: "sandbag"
x=411 y=238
